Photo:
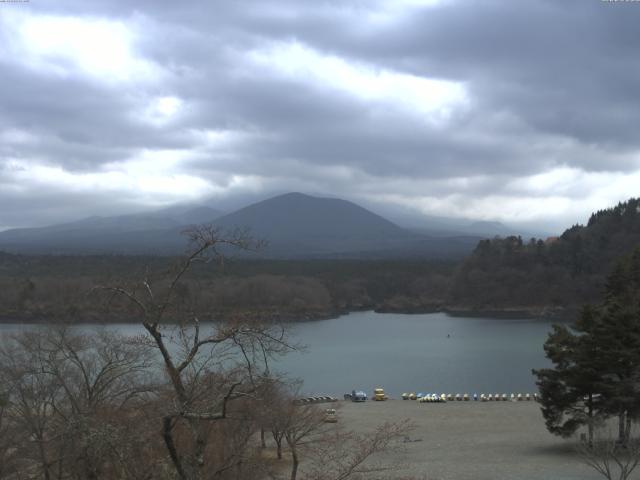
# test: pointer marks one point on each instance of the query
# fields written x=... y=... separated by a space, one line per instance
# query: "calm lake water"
x=404 y=353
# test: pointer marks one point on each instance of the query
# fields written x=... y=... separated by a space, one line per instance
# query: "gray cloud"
x=550 y=86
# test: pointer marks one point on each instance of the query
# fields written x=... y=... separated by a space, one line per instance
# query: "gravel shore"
x=471 y=440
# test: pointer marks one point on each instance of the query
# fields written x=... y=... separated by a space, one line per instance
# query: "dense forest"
x=559 y=273
x=552 y=276
x=45 y=288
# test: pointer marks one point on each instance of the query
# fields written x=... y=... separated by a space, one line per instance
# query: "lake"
x=404 y=353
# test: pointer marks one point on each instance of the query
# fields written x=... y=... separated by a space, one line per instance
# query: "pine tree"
x=596 y=371
x=618 y=334
x=569 y=391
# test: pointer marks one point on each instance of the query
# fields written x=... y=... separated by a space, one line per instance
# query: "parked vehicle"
x=356 y=396
x=330 y=415
x=378 y=394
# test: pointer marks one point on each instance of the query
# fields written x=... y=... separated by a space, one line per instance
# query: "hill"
x=562 y=272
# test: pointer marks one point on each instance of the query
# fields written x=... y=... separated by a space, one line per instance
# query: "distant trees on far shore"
x=566 y=271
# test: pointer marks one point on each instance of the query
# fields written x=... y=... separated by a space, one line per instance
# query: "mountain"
x=294 y=225
x=315 y=225
x=124 y=233
x=298 y=225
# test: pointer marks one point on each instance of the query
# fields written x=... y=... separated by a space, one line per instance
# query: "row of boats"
x=465 y=397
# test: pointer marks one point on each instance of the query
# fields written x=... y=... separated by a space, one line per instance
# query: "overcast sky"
x=519 y=111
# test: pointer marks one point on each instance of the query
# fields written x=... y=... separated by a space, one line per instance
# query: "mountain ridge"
x=294 y=224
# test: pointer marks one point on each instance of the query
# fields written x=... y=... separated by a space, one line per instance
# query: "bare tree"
x=67 y=393
x=6 y=450
x=10 y=436
x=612 y=459
x=305 y=425
x=275 y=412
x=29 y=399
x=328 y=451
x=345 y=455
x=207 y=370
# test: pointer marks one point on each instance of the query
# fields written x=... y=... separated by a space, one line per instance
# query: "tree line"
x=562 y=272
x=51 y=289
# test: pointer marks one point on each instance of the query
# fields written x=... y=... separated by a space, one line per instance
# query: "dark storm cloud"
x=548 y=85
x=567 y=68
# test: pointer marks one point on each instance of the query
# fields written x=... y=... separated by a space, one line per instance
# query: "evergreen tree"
x=569 y=391
x=618 y=334
x=596 y=371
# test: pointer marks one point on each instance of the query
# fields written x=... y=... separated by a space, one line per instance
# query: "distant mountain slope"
x=561 y=271
x=439 y=226
x=122 y=233
x=303 y=219
x=297 y=225
x=294 y=225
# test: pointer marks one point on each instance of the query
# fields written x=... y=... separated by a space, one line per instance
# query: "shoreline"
x=561 y=314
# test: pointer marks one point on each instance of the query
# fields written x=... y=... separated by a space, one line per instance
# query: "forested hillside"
x=58 y=288
x=557 y=272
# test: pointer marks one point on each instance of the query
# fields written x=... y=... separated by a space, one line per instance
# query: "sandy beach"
x=471 y=440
